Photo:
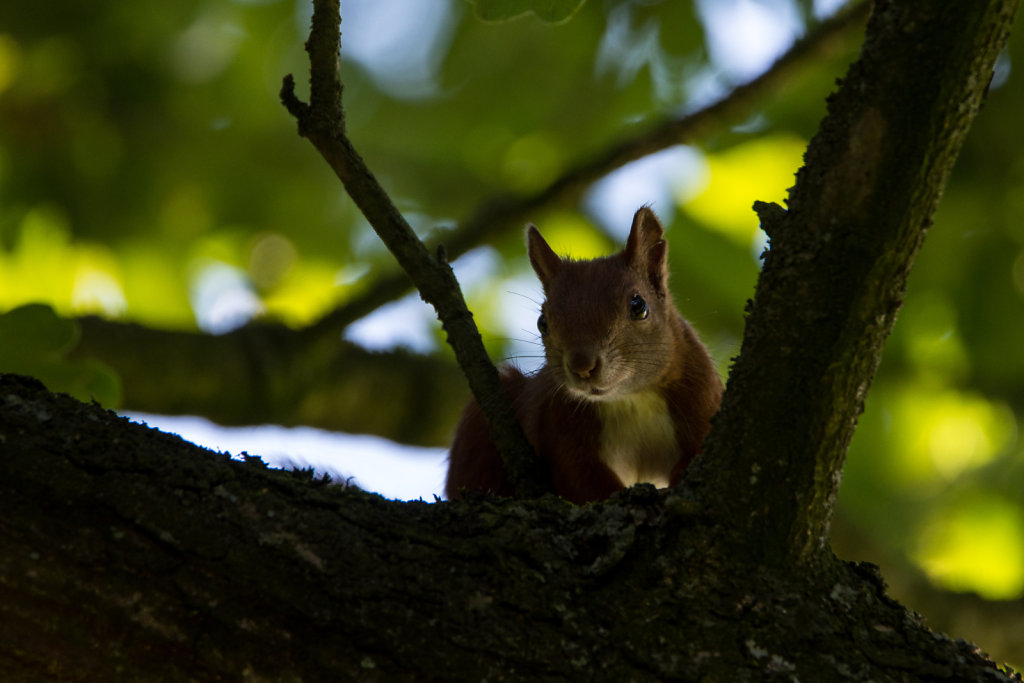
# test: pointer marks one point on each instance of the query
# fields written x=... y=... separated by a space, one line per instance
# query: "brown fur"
x=600 y=351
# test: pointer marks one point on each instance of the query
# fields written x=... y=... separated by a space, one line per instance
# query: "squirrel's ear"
x=545 y=262
x=645 y=232
x=646 y=251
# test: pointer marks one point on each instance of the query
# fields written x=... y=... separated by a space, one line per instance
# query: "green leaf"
x=549 y=11
x=35 y=341
x=35 y=332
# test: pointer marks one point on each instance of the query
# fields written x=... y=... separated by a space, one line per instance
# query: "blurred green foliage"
x=35 y=341
x=143 y=147
x=552 y=11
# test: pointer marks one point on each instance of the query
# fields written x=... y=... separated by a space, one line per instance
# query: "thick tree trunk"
x=835 y=274
x=128 y=554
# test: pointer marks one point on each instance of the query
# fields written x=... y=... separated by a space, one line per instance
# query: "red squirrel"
x=627 y=391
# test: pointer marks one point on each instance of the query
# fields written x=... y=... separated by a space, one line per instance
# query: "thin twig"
x=322 y=123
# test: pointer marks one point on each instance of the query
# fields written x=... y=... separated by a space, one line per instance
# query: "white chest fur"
x=638 y=439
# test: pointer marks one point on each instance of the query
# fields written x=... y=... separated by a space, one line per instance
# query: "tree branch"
x=497 y=215
x=997 y=624
x=265 y=372
x=834 y=277
x=182 y=562
x=189 y=566
x=321 y=123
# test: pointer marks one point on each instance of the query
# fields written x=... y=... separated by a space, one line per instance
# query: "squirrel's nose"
x=584 y=364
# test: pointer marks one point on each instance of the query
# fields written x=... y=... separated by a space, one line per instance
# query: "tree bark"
x=129 y=554
x=835 y=274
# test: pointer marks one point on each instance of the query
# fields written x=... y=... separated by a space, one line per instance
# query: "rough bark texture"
x=129 y=554
x=834 y=276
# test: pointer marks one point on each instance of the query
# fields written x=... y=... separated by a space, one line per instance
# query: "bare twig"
x=322 y=123
x=510 y=212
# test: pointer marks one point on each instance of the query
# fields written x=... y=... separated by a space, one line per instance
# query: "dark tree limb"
x=835 y=274
x=999 y=624
x=129 y=554
x=322 y=123
x=270 y=373
x=184 y=565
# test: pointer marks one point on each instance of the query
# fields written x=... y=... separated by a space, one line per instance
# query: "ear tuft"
x=646 y=252
x=545 y=262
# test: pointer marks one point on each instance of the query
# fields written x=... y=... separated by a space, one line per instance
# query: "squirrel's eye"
x=637 y=308
x=542 y=325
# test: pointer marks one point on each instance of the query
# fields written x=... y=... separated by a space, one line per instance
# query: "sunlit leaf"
x=305 y=294
x=762 y=169
x=975 y=545
x=572 y=236
x=939 y=435
x=155 y=285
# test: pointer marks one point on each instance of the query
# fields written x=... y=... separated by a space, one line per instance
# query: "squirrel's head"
x=606 y=322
